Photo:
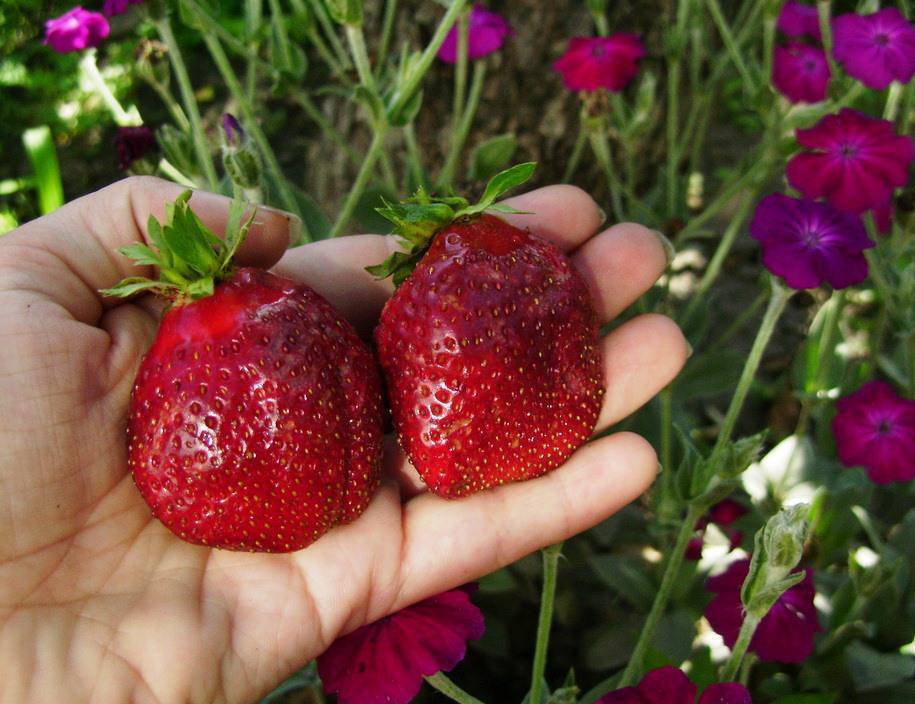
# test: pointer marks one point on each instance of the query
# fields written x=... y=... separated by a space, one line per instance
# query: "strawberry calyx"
x=418 y=218
x=191 y=260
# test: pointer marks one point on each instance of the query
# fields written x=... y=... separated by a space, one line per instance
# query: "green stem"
x=460 y=69
x=666 y=428
x=575 y=156
x=414 y=157
x=730 y=44
x=673 y=105
x=824 y=10
x=90 y=68
x=601 y=24
x=253 y=17
x=770 y=21
x=164 y=28
x=412 y=81
x=600 y=145
x=671 y=572
x=336 y=68
x=738 y=323
x=356 y=38
x=893 y=96
x=252 y=126
x=282 y=36
x=444 y=685
x=780 y=296
x=748 y=661
x=544 y=623
x=170 y=103
x=830 y=327
x=312 y=110
x=721 y=252
x=459 y=135
x=747 y=629
x=387 y=27
x=330 y=30
x=362 y=179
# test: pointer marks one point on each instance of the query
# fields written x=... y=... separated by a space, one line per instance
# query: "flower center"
x=811 y=238
x=884 y=427
x=810 y=65
x=848 y=151
x=881 y=39
x=598 y=50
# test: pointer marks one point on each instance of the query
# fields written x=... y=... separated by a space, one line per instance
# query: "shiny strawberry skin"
x=255 y=420
x=490 y=352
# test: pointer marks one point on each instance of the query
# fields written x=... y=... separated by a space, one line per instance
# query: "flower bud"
x=346 y=11
x=238 y=155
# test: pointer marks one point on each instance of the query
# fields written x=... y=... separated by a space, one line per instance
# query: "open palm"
x=99 y=602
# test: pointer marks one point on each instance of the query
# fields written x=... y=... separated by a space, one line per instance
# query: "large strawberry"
x=255 y=419
x=489 y=345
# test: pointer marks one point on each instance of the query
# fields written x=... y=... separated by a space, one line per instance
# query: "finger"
x=447 y=543
x=562 y=214
x=619 y=265
x=70 y=254
x=640 y=358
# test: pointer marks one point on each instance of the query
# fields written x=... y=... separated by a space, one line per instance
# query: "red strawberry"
x=255 y=420
x=490 y=350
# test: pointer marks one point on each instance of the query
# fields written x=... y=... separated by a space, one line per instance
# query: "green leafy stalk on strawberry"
x=255 y=419
x=417 y=219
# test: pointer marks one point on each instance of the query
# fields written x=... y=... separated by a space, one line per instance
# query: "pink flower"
x=799 y=20
x=668 y=685
x=875 y=428
x=854 y=161
x=800 y=72
x=75 y=30
x=722 y=514
x=876 y=49
x=132 y=143
x=591 y=63
x=486 y=33
x=785 y=634
x=385 y=662
x=117 y=7
x=807 y=243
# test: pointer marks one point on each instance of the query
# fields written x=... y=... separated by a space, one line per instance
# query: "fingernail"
x=294 y=224
x=689 y=350
x=668 y=246
x=602 y=214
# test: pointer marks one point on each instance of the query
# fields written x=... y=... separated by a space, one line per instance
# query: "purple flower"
x=875 y=428
x=807 y=243
x=799 y=20
x=785 y=634
x=800 y=72
x=876 y=49
x=854 y=161
x=117 y=7
x=591 y=63
x=486 y=33
x=668 y=685
x=235 y=133
x=75 y=30
x=722 y=514
x=132 y=143
x=386 y=661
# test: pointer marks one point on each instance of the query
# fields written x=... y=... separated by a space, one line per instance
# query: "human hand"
x=99 y=601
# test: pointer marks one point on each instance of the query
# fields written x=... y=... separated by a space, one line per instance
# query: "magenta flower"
x=385 y=662
x=75 y=30
x=807 y=243
x=722 y=514
x=800 y=72
x=132 y=143
x=799 y=20
x=668 y=685
x=785 y=634
x=883 y=217
x=854 y=161
x=876 y=49
x=591 y=63
x=117 y=7
x=875 y=428
x=486 y=33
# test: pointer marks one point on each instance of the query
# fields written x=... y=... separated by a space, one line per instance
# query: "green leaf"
x=346 y=11
x=871 y=669
x=627 y=576
x=499 y=184
x=709 y=374
x=367 y=212
x=141 y=254
x=399 y=266
x=316 y=222
x=492 y=156
x=39 y=147
x=415 y=222
x=408 y=112
x=135 y=284
x=818 y=698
